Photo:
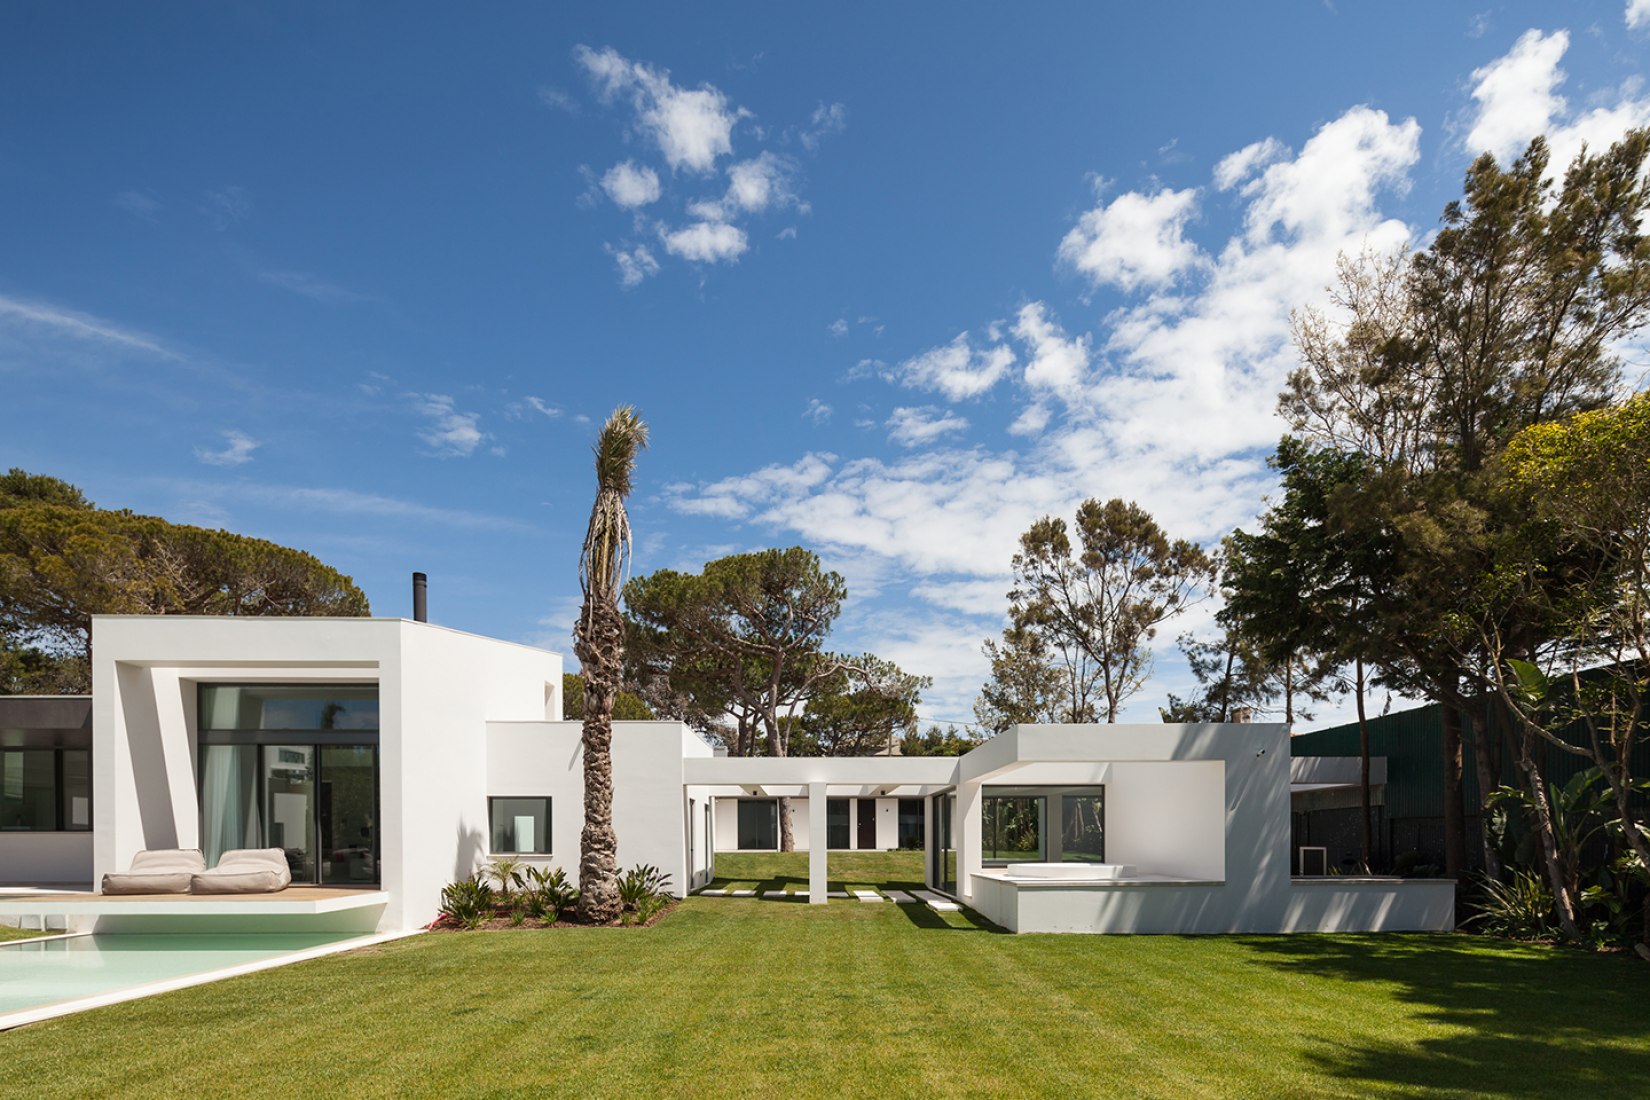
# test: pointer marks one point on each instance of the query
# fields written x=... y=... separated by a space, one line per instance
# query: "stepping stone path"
x=937 y=903
x=835 y=894
x=775 y=894
x=742 y=893
x=867 y=895
x=900 y=897
x=717 y=893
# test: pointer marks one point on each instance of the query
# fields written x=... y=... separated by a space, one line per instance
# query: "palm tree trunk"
x=599 y=652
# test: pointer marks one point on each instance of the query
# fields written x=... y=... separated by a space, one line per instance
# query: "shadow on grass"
x=1509 y=1020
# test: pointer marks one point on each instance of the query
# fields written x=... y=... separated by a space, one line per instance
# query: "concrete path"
x=937 y=903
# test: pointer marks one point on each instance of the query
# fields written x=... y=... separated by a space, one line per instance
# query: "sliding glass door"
x=293 y=767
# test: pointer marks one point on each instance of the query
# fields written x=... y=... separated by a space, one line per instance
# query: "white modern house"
x=388 y=757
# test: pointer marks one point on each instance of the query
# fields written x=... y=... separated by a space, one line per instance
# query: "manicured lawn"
x=9 y=933
x=750 y=997
x=789 y=870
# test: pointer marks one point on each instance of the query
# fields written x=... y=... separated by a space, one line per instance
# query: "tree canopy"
x=63 y=560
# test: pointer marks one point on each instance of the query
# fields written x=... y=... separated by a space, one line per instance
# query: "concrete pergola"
x=818 y=778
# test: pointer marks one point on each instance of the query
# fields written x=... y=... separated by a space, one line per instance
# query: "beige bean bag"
x=245 y=871
x=162 y=871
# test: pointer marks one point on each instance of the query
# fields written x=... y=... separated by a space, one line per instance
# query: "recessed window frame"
x=61 y=810
x=492 y=826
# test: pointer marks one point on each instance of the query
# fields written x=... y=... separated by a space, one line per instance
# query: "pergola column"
x=818 y=854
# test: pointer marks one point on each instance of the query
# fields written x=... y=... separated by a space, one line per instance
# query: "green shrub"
x=467 y=902
x=641 y=884
x=506 y=872
x=554 y=894
x=1522 y=907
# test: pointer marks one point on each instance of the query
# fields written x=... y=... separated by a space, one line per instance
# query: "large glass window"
x=295 y=767
x=1011 y=828
x=1083 y=827
x=521 y=826
x=836 y=823
x=945 y=843
x=289 y=707
x=45 y=790
x=910 y=823
x=758 y=824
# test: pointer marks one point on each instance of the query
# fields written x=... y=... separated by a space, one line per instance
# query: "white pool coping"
x=133 y=993
x=190 y=905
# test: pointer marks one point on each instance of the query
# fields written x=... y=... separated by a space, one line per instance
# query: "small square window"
x=521 y=826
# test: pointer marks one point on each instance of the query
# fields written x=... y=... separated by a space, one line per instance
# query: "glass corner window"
x=520 y=826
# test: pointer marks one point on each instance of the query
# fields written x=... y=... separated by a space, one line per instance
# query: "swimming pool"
x=43 y=978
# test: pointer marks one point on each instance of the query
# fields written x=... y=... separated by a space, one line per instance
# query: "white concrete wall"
x=438 y=688
x=63 y=859
x=1338 y=904
x=649 y=801
x=1168 y=817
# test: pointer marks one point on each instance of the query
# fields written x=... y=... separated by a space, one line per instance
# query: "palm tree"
x=598 y=642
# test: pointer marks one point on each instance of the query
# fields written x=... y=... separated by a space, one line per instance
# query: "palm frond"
x=606 y=552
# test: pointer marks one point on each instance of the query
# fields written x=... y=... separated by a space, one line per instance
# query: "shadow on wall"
x=471 y=851
x=1492 y=1011
x=146 y=747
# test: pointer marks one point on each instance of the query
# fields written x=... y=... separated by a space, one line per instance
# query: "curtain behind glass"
x=229 y=800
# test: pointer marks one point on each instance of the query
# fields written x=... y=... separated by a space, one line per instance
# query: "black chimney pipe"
x=421 y=610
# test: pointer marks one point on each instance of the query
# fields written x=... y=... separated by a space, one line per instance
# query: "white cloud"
x=1518 y=94
x=957 y=369
x=756 y=184
x=706 y=242
x=635 y=264
x=237 y=452
x=38 y=317
x=344 y=502
x=313 y=287
x=450 y=433
x=817 y=411
x=828 y=118
x=691 y=127
x=916 y=427
x=1638 y=14
x=1136 y=240
x=838 y=327
x=1170 y=402
x=140 y=204
x=539 y=405
x=558 y=100
x=1235 y=168
x=1518 y=98
x=227 y=206
x=630 y=185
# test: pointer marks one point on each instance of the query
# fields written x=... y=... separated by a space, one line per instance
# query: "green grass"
x=7 y=932
x=751 y=997
x=789 y=871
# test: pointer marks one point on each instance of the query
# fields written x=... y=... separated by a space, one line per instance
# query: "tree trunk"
x=599 y=650
x=1368 y=826
x=1556 y=876
x=1484 y=769
x=1455 y=824
x=1289 y=693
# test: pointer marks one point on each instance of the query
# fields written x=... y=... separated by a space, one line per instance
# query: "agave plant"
x=553 y=890
x=641 y=885
x=467 y=902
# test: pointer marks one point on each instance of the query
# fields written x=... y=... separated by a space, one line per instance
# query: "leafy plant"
x=554 y=893
x=507 y=872
x=467 y=902
x=1522 y=907
x=644 y=887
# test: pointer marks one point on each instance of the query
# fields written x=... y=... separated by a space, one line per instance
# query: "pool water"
x=36 y=974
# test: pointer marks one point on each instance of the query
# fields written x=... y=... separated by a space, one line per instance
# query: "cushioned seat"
x=245 y=871
x=161 y=871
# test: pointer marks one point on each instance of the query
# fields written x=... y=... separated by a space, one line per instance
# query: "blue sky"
x=887 y=281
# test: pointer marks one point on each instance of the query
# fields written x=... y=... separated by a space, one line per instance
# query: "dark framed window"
x=836 y=824
x=288 y=707
x=910 y=823
x=45 y=790
x=521 y=826
x=758 y=824
x=1083 y=826
x=1011 y=828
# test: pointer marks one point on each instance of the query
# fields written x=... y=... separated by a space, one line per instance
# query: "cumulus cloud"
x=828 y=118
x=1638 y=14
x=1518 y=98
x=957 y=370
x=691 y=127
x=635 y=264
x=630 y=185
x=706 y=242
x=449 y=433
x=1136 y=240
x=1235 y=168
x=237 y=450
x=915 y=427
x=817 y=411
x=758 y=183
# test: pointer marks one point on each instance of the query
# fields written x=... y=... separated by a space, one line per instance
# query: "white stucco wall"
x=437 y=690
x=650 y=803
x=1168 y=817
